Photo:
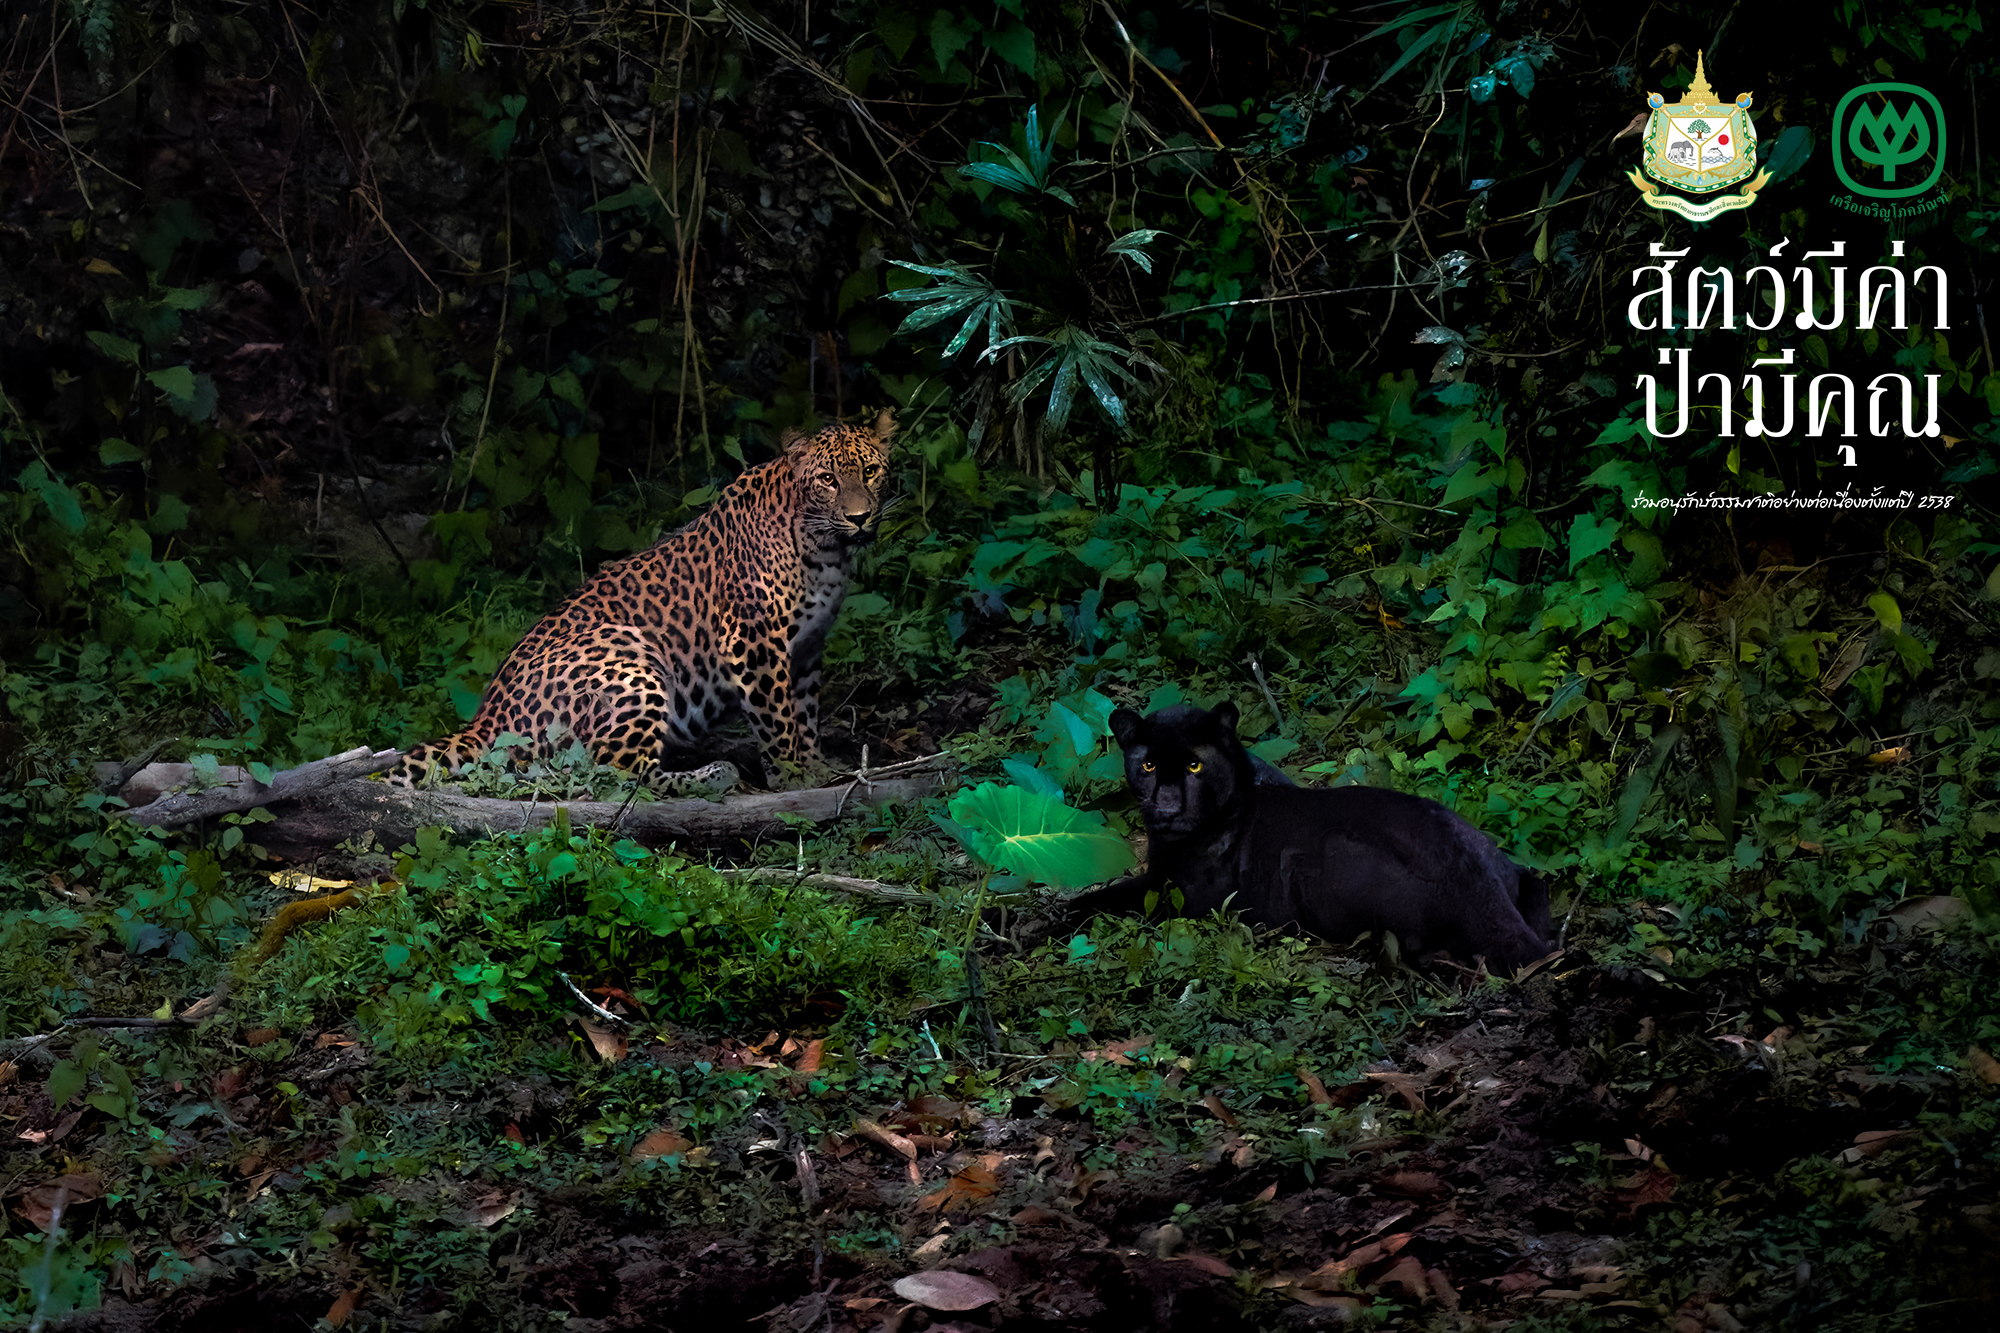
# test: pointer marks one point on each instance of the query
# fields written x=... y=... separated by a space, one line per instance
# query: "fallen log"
x=174 y=808
x=354 y=810
x=318 y=806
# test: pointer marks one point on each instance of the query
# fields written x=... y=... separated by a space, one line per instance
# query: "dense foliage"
x=1278 y=354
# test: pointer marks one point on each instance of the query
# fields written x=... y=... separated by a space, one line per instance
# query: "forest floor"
x=1522 y=1153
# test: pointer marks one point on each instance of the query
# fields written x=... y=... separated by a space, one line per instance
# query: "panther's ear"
x=885 y=426
x=1124 y=725
x=1226 y=717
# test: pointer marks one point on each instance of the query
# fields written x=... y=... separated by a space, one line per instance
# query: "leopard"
x=728 y=615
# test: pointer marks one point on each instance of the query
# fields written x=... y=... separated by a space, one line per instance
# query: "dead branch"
x=176 y=808
x=860 y=888
x=392 y=815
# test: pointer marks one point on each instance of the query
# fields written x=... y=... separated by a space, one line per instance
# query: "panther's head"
x=843 y=472
x=1186 y=766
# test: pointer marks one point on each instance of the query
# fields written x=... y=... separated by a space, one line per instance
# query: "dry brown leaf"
x=969 y=1187
x=326 y=1039
x=1407 y=1273
x=1847 y=663
x=491 y=1207
x=1091 y=1180
x=862 y=1302
x=1510 y=1283
x=1207 y=1263
x=1413 y=1185
x=661 y=1143
x=512 y=1133
x=229 y=1084
x=623 y=997
x=1035 y=1216
x=9 y=1071
x=1633 y=126
x=1268 y=1193
x=259 y=1036
x=1314 y=1088
x=55 y=1135
x=1353 y=1305
x=1406 y=1087
x=610 y=1046
x=1120 y=1052
x=337 y=1314
x=1983 y=1065
x=1329 y=1275
x=43 y=1203
x=1932 y=913
x=1218 y=1110
x=809 y=1062
x=934 y=1114
x=943 y=1289
x=1653 y=1185
x=888 y=1138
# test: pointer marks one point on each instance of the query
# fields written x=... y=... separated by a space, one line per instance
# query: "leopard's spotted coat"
x=729 y=613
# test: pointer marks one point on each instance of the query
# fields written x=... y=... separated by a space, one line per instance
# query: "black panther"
x=1333 y=861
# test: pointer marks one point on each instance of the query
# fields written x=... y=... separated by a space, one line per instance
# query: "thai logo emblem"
x=1697 y=146
x=1889 y=139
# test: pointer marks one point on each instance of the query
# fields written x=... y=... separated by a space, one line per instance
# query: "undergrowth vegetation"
x=416 y=313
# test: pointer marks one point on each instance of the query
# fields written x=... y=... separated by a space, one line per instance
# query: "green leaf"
x=1416 y=48
x=1016 y=46
x=114 y=346
x=1013 y=178
x=1470 y=480
x=1589 y=534
x=1415 y=16
x=65 y=1081
x=60 y=499
x=1131 y=246
x=176 y=381
x=950 y=34
x=1030 y=776
x=1639 y=787
x=1790 y=152
x=1012 y=828
x=1887 y=613
x=114 y=451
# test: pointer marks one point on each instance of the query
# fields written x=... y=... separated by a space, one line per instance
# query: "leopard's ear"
x=790 y=438
x=885 y=426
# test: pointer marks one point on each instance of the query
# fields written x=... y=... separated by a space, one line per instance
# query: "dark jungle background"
x=1276 y=353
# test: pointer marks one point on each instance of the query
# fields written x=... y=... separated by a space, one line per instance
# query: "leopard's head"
x=843 y=472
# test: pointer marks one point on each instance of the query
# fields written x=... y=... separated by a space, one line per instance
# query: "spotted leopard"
x=727 y=614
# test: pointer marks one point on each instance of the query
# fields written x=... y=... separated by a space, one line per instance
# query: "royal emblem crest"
x=1699 y=145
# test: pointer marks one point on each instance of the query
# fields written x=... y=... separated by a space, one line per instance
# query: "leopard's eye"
x=1194 y=765
x=1146 y=767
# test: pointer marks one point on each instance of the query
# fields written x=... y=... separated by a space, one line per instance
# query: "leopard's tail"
x=448 y=755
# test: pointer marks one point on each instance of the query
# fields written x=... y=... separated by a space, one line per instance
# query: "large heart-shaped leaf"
x=1011 y=828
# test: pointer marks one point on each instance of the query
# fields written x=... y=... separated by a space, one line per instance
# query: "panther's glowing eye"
x=1194 y=765
x=1146 y=767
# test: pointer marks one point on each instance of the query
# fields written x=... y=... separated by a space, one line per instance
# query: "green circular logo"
x=1893 y=136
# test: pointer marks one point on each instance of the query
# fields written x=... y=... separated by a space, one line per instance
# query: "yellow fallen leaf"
x=1983 y=1065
